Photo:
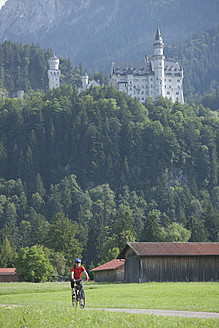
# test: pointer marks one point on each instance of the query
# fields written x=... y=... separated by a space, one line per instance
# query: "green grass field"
x=49 y=304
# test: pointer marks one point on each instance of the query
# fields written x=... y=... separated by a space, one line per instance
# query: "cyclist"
x=76 y=272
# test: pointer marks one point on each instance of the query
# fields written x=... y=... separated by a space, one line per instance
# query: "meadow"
x=49 y=304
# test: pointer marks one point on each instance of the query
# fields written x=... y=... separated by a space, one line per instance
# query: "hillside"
x=199 y=56
x=92 y=33
x=100 y=168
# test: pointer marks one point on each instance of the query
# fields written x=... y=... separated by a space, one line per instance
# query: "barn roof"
x=7 y=271
x=111 y=265
x=171 y=249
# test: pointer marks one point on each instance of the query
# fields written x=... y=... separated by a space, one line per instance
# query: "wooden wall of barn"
x=8 y=278
x=132 y=269
x=110 y=275
x=177 y=268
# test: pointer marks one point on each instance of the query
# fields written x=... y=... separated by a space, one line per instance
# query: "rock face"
x=94 y=32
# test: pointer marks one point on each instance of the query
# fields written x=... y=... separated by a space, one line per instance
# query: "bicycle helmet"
x=77 y=260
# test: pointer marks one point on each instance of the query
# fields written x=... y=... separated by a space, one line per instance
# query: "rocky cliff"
x=95 y=31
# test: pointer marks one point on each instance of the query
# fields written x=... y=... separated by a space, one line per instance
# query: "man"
x=76 y=272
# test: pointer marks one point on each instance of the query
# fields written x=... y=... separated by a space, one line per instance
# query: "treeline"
x=83 y=174
x=199 y=56
x=211 y=100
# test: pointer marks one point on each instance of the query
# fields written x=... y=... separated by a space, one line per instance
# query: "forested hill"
x=199 y=56
x=115 y=169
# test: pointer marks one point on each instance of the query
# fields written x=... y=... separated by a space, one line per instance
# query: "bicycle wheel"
x=73 y=300
x=82 y=299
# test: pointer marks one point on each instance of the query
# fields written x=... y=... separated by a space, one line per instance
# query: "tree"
x=57 y=260
x=175 y=232
x=152 y=230
x=211 y=221
x=32 y=265
x=61 y=237
x=7 y=255
x=122 y=227
x=198 y=230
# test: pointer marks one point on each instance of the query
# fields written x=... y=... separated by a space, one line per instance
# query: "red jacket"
x=77 y=271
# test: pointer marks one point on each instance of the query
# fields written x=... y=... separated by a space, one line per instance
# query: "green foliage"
x=199 y=56
x=152 y=231
x=57 y=260
x=7 y=255
x=32 y=265
x=175 y=232
x=61 y=237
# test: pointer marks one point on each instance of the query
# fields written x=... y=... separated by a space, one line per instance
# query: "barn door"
x=132 y=269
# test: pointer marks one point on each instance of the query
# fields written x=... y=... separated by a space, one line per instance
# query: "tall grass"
x=49 y=304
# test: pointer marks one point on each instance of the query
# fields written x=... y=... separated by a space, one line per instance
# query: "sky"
x=2 y=2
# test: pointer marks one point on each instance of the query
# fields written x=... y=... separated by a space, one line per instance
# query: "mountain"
x=94 y=32
x=199 y=56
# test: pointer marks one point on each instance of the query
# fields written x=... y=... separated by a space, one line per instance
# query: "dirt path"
x=189 y=314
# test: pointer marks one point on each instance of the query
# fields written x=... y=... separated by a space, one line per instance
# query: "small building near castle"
x=54 y=73
x=149 y=78
x=86 y=84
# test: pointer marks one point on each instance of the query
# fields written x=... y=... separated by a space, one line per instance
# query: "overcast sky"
x=2 y=2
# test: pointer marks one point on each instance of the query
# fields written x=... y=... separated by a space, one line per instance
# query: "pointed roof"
x=158 y=36
x=111 y=265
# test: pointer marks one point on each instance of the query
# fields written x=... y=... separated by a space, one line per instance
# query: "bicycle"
x=79 y=296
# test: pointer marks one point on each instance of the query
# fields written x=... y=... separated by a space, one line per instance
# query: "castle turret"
x=158 y=64
x=85 y=80
x=54 y=73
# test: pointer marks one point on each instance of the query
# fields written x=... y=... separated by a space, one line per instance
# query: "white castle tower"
x=54 y=73
x=158 y=65
x=85 y=81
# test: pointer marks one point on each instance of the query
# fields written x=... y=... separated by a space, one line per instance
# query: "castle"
x=157 y=77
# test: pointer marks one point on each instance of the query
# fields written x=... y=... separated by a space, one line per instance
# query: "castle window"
x=177 y=93
x=151 y=79
x=178 y=80
x=177 y=98
x=169 y=80
x=168 y=93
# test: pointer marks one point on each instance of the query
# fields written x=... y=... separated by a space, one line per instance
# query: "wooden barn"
x=8 y=275
x=112 y=271
x=159 y=262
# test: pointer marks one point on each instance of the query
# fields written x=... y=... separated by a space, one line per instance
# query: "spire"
x=158 y=36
